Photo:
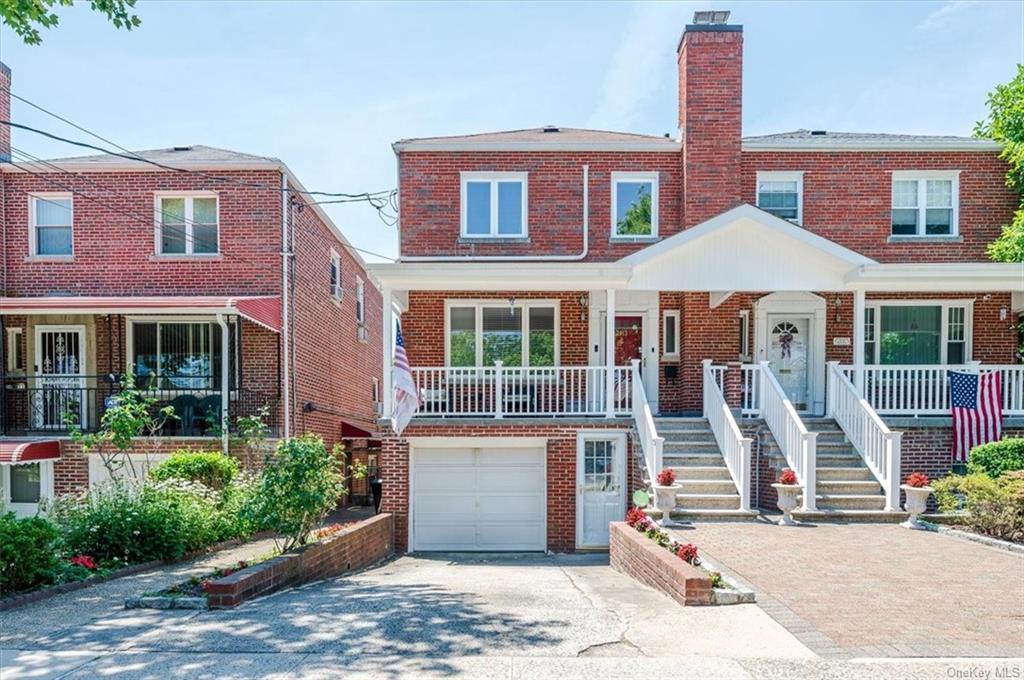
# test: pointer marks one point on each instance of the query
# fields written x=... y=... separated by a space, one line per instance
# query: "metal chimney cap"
x=711 y=17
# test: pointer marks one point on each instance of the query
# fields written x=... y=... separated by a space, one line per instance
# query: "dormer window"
x=781 y=194
x=493 y=204
x=925 y=204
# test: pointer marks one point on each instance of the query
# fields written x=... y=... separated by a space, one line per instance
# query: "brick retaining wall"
x=633 y=554
x=364 y=544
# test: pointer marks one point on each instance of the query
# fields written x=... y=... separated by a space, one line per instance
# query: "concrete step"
x=688 y=436
x=706 y=459
x=708 y=501
x=831 y=437
x=849 y=501
x=694 y=445
x=735 y=515
x=680 y=424
x=833 y=459
x=865 y=487
x=832 y=515
x=836 y=474
x=707 y=486
x=699 y=472
x=819 y=424
x=823 y=445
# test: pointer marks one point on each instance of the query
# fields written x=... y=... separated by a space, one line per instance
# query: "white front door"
x=789 y=352
x=59 y=377
x=600 y=485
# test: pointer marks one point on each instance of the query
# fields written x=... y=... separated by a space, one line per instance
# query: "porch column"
x=388 y=351
x=225 y=386
x=609 y=355
x=858 y=340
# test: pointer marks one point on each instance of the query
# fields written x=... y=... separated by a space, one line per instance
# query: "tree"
x=25 y=17
x=1005 y=124
x=637 y=220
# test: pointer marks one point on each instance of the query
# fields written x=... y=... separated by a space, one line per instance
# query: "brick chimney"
x=710 y=115
x=5 y=112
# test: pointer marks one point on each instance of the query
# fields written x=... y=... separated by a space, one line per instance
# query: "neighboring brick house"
x=221 y=270
x=851 y=264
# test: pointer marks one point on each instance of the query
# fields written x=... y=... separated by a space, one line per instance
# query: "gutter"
x=285 y=301
x=225 y=386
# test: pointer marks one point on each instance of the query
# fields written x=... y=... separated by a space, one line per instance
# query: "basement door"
x=600 y=486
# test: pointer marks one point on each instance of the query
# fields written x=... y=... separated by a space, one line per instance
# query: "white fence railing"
x=499 y=391
x=734 y=446
x=874 y=441
x=750 y=389
x=924 y=390
x=798 y=445
x=650 y=443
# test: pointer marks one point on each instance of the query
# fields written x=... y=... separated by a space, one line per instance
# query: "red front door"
x=629 y=338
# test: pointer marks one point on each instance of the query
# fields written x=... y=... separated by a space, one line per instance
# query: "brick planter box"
x=366 y=543
x=633 y=554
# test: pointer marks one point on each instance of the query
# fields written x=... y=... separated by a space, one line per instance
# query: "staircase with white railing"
x=735 y=448
x=797 y=445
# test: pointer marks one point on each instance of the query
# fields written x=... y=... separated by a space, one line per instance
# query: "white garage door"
x=478 y=498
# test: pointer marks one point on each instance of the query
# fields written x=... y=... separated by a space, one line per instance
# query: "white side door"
x=600 y=486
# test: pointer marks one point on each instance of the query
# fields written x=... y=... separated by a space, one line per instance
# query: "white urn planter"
x=916 y=503
x=787 y=502
x=665 y=500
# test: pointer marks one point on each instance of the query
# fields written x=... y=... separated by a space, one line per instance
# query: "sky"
x=328 y=86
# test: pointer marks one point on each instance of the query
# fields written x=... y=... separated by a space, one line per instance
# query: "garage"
x=478 y=497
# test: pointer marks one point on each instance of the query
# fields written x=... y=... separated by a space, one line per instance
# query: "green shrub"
x=991 y=506
x=300 y=485
x=28 y=552
x=211 y=468
x=996 y=458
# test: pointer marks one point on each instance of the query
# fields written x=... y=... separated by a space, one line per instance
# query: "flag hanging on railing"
x=977 y=407
x=405 y=398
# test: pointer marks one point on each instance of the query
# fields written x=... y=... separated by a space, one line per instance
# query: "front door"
x=629 y=339
x=601 y=486
x=59 y=377
x=789 y=346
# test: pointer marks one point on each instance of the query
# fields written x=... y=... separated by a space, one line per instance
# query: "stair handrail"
x=651 y=444
x=734 y=446
x=799 y=447
x=870 y=436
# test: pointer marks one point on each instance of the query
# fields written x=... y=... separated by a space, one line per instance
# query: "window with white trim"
x=781 y=194
x=917 y=333
x=334 y=278
x=670 y=334
x=925 y=204
x=51 y=217
x=187 y=224
x=634 y=204
x=14 y=351
x=181 y=354
x=520 y=334
x=493 y=204
x=744 y=340
x=360 y=302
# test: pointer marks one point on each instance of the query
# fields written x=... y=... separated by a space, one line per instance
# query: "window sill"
x=494 y=239
x=955 y=238
x=212 y=257
x=50 y=258
x=634 y=239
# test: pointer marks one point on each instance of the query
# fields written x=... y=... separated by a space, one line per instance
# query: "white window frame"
x=922 y=177
x=28 y=509
x=968 y=340
x=783 y=176
x=14 y=342
x=744 y=320
x=337 y=291
x=158 y=320
x=670 y=314
x=618 y=177
x=498 y=303
x=360 y=302
x=158 y=212
x=33 y=236
x=493 y=178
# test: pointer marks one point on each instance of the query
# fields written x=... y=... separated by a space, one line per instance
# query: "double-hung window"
x=181 y=354
x=917 y=333
x=925 y=203
x=187 y=224
x=50 y=225
x=14 y=359
x=634 y=204
x=517 y=335
x=781 y=194
x=334 y=275
x=493 y=204
x=360 y=302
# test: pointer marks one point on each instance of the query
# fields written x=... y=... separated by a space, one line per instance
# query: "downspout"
x=523 y=258
x=286 y=352
x=225 y=387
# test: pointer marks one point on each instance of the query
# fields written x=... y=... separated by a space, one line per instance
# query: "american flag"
x=976 y=403
x=405 y=396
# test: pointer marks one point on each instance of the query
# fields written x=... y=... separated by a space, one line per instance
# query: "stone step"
x=830 y=437
x=699 y=472
x=833 y=459
x=832 y=515
x=819 y=424
x=826 y=445
x=687 y=436
x=849 y=487
x=850 y=501
x=680 y=424
x=708 y=501
x=706 y=486
x=708 y=459
x=835 y=474
x=694 y=445
x=690 y=515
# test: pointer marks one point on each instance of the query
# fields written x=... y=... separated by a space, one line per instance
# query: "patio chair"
x=185 y=407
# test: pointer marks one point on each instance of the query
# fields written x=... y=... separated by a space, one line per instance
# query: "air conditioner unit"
x=362 y=333
x=378 y=408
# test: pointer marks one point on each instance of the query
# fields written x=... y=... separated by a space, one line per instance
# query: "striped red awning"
x=15 y=451
x=264 y=310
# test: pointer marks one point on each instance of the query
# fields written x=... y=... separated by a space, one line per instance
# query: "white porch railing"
x=499 y=391
x=650 y=443
x=798 y=445
x=750 y=386
x=734 y=446
x=924 y=390
x=874 y=441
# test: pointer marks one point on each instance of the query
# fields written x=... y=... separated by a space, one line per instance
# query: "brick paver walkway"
x=876 y=589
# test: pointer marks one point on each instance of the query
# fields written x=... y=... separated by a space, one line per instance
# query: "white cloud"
x=944 y=16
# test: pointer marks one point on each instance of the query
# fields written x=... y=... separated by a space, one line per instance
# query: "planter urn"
x=665 y=500
x=787 y=502
x=916 y=503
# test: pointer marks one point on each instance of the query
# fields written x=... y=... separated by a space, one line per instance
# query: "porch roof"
x=264 y=310
x=17 y=451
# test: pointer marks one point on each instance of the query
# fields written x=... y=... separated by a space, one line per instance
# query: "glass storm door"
x=629 y=339
x=789 y=345
x=60 y=382
x=600 y=479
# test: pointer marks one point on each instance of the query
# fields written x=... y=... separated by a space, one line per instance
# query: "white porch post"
x=387 y=354
x=225 y=388
x=858 y=340
x=609 y=355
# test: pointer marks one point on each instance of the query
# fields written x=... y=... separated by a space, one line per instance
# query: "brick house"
x=216 y=280
x=583 y=308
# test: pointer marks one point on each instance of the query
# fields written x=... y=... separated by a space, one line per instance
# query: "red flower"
x=84 y=561
x=634 y=515
x=688 y=553
x=205 y=584
x=917 y=480
x=787 y=477
x=666 y=477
